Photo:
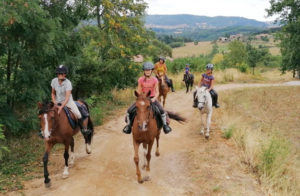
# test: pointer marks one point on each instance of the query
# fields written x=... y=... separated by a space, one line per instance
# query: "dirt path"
x=188 y=165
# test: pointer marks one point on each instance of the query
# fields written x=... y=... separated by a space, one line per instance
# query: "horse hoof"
x=88 y=149
x=64 y=176
x=207 y=137
x=157 y=154
x=202 y=132
x=141 y=181
x=48 y=185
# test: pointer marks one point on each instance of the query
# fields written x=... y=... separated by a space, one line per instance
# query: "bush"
x=176 y=44
x=227 y=133
x=2 y=147
x=243 y=68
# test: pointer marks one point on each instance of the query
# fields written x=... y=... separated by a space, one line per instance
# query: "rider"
x=147 y=83
x=186 y=71
x=161 y=68
x=61 y=94
x=207 y=80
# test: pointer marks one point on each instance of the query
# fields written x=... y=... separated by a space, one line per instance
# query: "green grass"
x=227 y=133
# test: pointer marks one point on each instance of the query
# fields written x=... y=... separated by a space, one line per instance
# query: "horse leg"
x=201 y=124
x=145 y=153
x=157 y=146
x=148 y=156
x=136 y=161
x=72 y=156
x=165 y=97
x=66 y=156
x=187 y=87
x=88 y=138
x=47 y=180
x=208 y=124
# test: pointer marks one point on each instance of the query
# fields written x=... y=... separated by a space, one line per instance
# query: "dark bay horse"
x=144 y=130
x=163 y=89
x=57 y=129
x=189 y=81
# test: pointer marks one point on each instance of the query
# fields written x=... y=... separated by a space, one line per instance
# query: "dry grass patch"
x=267 y=130
x=190 y=49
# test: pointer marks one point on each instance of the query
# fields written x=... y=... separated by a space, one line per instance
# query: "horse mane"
x=45 y=107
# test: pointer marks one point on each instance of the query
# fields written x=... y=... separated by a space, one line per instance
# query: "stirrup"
x=86 y=131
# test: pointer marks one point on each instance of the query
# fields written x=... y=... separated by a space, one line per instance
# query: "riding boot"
x=195 y=104
x=166 y=127
x=214 y=97
x=127 y=128
x=171 y=85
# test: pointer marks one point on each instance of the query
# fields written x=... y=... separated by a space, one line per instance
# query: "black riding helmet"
x=61 y=69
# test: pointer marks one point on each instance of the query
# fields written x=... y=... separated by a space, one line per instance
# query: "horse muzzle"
x=143 y=126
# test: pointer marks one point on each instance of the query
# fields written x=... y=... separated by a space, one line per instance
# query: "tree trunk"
x=98 y=14
x=294 y=73
x=253 y=70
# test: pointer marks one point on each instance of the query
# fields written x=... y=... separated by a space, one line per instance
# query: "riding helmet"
x=61 y=69
x=210 y=66
x=148 y=66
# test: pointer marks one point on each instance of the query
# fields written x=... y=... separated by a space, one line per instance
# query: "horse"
x=163 y=88
x=189 y=81
x=145 y=129
x=205 y=106
x=56 y=129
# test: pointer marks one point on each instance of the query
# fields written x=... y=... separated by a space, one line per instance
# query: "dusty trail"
x=188 y=165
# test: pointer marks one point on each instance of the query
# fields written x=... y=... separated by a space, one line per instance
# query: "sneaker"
x=167 y=129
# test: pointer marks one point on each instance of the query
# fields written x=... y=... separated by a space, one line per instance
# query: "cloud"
x=254 y=9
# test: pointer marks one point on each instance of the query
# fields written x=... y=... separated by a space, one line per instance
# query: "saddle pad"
x=72 y=122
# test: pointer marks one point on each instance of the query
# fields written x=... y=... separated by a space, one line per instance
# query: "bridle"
x=147 y=119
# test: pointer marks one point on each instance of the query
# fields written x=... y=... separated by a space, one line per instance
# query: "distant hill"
x=202 y=22
x=202 y=27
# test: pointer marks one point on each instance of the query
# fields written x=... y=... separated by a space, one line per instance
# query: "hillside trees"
x=289 y=11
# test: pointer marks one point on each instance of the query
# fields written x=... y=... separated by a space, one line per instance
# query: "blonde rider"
x=160 y=68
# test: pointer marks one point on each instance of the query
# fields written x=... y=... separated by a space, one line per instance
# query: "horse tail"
x=175 y=116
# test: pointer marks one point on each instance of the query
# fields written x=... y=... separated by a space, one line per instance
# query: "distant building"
x=223 y=39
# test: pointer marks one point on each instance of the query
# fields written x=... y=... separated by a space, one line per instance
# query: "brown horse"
x=144 y=130
x=56 y=129
x=163 y=88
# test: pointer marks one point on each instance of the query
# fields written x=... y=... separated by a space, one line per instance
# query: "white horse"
x=205 y=106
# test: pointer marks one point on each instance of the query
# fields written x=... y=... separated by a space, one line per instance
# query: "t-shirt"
x=160 y=69
x=61 y=89
x=148 y=84
x=207 y=80
x=187 y=69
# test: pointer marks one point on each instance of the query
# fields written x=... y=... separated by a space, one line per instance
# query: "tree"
x=218 y=59
x=238 y=53
x=289 y=11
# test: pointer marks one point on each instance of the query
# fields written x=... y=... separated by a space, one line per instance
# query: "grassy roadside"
x=23 y=161
x=263 y=123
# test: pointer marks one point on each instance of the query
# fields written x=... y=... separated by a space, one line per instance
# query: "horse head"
x=143 y=109
x=161 y=79
x=202 y=96
x=47 y=116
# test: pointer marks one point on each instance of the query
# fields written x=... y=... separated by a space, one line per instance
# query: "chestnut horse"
x=144 y=130
x=163 y=88
x=57 y=129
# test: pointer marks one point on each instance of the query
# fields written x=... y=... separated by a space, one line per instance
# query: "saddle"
x=71 y=117
x=155 y=111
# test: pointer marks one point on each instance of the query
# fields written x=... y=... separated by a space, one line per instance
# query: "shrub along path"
x=188 y=165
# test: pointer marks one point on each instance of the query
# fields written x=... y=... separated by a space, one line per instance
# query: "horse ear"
x=136 y=93
x=40 y=105
x=148 y=94
x=51 y=104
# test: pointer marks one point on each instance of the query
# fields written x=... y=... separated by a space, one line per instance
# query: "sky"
x=252 y=9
